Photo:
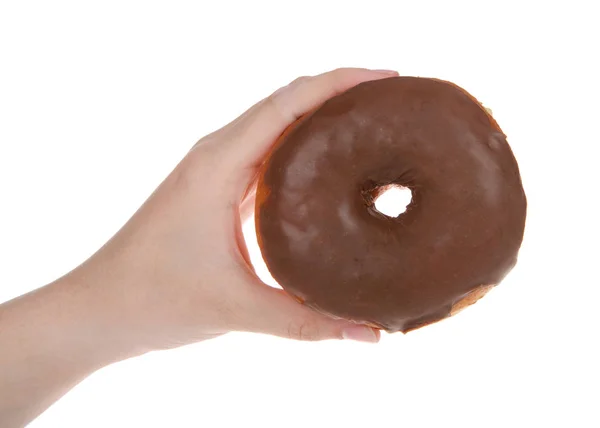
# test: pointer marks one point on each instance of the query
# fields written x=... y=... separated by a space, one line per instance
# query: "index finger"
x=256 y=130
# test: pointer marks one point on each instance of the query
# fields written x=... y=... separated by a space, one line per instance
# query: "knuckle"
x=277 y=102
x=306 y=330
x=273 y=100
x=299 y=81
x=337 y=73
x=282 y=100
x=290 y=87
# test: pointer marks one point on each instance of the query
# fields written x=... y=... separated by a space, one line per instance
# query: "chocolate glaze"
x=323 y=239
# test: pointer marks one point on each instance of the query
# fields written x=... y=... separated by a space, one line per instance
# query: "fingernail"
x=390 y=72
x=360 y=334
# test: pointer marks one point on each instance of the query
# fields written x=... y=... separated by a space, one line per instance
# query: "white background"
x=99 y=101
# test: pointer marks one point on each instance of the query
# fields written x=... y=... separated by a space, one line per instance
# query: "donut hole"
x=393 y=200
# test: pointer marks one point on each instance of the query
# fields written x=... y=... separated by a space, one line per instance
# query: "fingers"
x=272 y=311
x=306 y=93
x=243 y=144
x=256 y=130
x=250 y=136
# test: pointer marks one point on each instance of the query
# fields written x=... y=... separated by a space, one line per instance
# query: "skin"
x=178 y=272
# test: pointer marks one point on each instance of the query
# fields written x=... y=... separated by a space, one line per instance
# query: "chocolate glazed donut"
x=325 y=242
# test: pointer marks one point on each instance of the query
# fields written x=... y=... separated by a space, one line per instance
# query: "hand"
x=179 y=270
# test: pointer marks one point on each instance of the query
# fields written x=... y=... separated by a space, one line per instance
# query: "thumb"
x=272 y=311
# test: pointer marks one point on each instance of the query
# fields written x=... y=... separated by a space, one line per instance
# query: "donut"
x=324 y=241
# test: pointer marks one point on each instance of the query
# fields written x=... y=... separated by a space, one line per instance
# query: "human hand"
x=179 y=271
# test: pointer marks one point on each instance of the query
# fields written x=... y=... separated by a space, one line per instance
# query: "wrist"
x=86 y=325
x=50 y=340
